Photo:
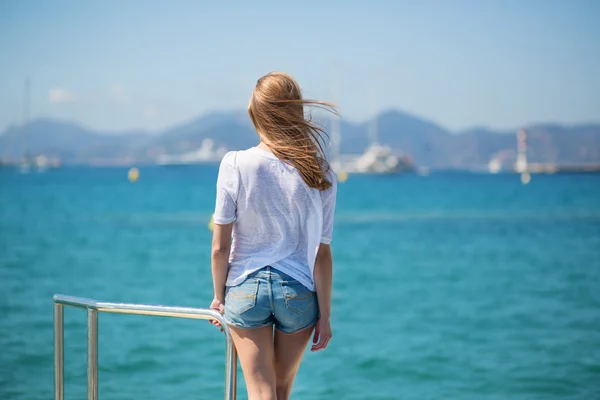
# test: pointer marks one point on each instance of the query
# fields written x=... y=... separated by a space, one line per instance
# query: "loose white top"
x=278 y=220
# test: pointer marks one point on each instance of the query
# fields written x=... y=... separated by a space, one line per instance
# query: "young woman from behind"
x=273 y=223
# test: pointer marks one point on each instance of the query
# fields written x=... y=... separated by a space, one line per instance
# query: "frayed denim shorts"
x=269 y=297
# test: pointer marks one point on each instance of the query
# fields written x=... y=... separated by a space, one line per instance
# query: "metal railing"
x=94 y=307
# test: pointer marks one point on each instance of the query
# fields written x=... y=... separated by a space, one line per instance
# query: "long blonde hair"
x=277 y=111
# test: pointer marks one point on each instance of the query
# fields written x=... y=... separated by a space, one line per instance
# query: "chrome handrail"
x=93 y=307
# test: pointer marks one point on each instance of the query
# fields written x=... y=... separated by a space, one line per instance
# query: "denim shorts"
x=269 y=297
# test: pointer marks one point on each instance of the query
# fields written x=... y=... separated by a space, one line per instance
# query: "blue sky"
x=120 y=65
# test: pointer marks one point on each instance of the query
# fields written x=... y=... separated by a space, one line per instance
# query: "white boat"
x=206 y=154
x=43 y=162
x=39 y=163
x=495 y=165
x=376 y=159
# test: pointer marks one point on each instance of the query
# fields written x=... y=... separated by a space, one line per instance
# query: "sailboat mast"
x=335 y=138
x=26 y=121
x=372 y=130
x=8 y=143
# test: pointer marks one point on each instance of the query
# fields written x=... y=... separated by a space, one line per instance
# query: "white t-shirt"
x=278 y=219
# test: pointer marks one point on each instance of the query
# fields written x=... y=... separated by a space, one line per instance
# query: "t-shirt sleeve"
x=227 y=190
x=328 y=198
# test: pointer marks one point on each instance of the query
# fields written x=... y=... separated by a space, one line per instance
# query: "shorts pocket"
x=297 y=297
x=242 y=297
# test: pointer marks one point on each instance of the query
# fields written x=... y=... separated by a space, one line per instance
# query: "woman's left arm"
x=221 y=247
x=223 y=218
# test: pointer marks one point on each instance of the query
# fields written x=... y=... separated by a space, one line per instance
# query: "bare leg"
x=289 y=349
x=256 y=354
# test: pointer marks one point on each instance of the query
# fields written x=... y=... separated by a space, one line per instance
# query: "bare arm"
x=221 y=246
x=323 y=279
x=223 y=218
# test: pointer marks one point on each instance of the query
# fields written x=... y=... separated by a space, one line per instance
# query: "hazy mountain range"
x=429 y=144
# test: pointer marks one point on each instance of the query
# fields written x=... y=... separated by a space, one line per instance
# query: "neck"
x=263 y=146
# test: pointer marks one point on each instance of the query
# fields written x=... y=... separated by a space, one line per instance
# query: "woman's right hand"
x=218 y=306
x=322 y=334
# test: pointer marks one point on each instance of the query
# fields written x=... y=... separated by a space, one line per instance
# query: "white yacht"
x=206 y=154
x=376 y=159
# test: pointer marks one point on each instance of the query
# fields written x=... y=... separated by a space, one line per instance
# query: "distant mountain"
x=233 y=130
x=425 y=141
x=428 y=143
x=421 y=139
x=546 y=143
x=71 y=142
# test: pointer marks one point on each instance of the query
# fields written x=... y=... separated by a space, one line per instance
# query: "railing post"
x=93 y=307
x=92 y=356
x=59 y=391
x=230 y=368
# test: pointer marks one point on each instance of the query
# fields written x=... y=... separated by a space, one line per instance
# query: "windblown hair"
x=277 y=111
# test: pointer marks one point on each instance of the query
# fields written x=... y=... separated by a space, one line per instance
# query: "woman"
x=276 y=201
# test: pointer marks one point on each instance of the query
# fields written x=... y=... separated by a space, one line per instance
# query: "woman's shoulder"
x=244 y=160
x=229 y=158
x=252 y=156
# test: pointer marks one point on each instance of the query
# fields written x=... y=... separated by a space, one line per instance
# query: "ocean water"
x=451 y=286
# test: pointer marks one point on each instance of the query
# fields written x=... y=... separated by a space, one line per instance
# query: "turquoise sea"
x=451 y=286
